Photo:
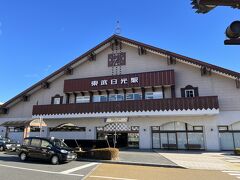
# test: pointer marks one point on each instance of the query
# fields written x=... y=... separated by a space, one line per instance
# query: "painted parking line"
x=78 y=168
x=37 y=170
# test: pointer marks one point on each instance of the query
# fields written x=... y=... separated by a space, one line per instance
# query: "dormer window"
x=57 y=99
x=189 y=91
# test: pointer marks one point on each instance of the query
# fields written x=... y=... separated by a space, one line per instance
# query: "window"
x=16 y=129
x=116 y=97
x=100 y=98
x=134 y=96
x=189 y=93
x=34 y=129
x=35 y=142
x=223 y=128
x=197 y=128
x=45 y=144
x=75 y=128
x=82 y=99
x=26 y=142
x=153 y=95
x=57 y=99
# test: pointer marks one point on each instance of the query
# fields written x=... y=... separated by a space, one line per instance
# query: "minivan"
x=50 y=149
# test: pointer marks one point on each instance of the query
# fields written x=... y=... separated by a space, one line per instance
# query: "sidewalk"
x=203 y=160
x=140 y=157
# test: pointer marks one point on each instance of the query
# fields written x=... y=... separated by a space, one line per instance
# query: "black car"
x=8 y=144
x=51 y=149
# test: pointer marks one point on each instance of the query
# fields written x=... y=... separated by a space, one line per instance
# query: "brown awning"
x=33 y=122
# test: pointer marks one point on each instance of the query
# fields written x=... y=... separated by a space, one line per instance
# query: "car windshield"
x=59 y=143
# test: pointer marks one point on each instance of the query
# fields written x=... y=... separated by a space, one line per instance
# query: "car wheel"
x=55 y=160
x=1 y=148
x=23 y=156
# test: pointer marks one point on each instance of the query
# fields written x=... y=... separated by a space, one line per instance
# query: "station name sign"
x=115 y=81
x=145 y=79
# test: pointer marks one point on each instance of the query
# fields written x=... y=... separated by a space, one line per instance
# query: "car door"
x=46 y=149
x=34 y=150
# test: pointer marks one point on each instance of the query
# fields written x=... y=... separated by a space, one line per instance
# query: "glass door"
x=182 y=140
x=172 y=141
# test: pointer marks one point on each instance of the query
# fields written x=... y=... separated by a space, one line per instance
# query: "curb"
x=133 y=163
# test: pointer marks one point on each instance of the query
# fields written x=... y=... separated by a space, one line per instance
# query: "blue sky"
x=38 y=37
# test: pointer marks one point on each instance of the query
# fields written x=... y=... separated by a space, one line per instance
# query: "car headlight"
x=64 y=151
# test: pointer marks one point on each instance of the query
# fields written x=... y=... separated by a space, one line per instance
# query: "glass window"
x=34 y=129
x=226 y=141
x=16 y=129
x=116 y=97
x=45 y=144
x=82 y=99
x=100 y=98
x=26 y=142
x=57 y=100
x=197 y=128
x=153 y=95
x=155 y=128
x=35 y=142
x=156 y=140
x=189 y=93
x=77 y=128
x=223 y=128
x=134 y=96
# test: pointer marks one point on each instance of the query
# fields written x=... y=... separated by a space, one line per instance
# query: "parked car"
x=8 y=144
x=50 y=149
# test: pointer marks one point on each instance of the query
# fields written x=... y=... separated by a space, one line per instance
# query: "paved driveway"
x=203 y=160
x=11 y=168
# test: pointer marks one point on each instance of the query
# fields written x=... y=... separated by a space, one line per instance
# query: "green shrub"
x=102 y=154
x=237 y=151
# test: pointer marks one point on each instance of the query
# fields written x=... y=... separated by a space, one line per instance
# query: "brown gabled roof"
x=149 y=47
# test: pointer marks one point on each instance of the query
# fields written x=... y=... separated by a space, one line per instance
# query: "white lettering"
x=124 y=81
x=94 y=83
x=113 y=81
x=104 y=82
x=134 y=80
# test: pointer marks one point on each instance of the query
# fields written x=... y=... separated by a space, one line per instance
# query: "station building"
x=143 y=96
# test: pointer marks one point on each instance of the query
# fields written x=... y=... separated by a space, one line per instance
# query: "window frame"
x=81 y=98
x=186 y=91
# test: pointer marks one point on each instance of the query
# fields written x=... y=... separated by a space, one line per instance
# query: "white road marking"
x=231 y=171
x=107 y=177
x=78 y=168
x=234 y=174
x=38 y=170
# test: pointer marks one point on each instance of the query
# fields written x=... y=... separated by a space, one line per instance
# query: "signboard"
x=144 y=79
x=116 y=120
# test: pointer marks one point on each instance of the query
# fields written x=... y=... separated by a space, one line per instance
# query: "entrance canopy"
x=33 y=122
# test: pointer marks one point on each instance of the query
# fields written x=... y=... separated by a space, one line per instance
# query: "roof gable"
x=147 y=47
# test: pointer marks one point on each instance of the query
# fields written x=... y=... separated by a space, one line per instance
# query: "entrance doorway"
x=121 y=139
x=123 y=135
